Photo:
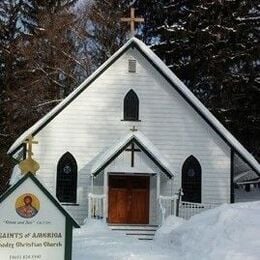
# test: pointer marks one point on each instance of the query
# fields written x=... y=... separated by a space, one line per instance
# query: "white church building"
x=123 y=143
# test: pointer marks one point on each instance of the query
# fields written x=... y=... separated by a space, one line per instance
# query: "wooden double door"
x=128 y=201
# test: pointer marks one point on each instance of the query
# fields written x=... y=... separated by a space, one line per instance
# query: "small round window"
x=191 y=172
x=67 y=169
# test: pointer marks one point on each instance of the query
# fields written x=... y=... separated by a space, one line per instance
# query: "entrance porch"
x=130 y=198
x=131 y=183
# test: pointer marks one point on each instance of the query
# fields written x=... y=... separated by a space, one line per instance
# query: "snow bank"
x=94 y=226
x=164 y=233
x=227 y=232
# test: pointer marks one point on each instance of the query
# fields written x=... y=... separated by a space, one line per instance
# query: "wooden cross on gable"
x=133 y=129
x=132 y=149
x=132 y=20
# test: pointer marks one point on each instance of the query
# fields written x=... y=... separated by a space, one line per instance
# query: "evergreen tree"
x=213 y=46
x=10 y=62
x=106 y=31
x=38 y=55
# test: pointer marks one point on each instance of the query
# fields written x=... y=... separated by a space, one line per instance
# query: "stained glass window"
x=131 y=106
x=66 y=189
x=191 y=180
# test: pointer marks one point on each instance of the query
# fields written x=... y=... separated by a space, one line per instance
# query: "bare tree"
x=42 y=62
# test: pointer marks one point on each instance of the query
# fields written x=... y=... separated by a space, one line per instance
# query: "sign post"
x=33 y=225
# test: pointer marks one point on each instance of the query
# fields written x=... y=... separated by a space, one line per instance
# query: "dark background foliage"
x=47 y=48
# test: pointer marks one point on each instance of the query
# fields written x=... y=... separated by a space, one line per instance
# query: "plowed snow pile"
x=229 y=232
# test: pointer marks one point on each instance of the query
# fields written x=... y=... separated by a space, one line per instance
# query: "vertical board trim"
x=232 y=188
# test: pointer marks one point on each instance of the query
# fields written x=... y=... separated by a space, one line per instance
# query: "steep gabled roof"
x=174 y=82
x=105 y=158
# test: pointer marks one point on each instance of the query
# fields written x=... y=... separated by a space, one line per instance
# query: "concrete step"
x=141 y=232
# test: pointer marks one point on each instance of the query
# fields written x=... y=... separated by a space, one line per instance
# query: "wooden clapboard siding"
x=92 y=122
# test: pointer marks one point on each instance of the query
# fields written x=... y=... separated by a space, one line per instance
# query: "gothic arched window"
x=191 y=180
x=131 y=106
x=67 y=171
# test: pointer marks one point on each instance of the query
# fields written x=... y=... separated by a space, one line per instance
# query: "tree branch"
x=48 y=103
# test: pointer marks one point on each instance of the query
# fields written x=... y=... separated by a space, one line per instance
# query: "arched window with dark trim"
x=67 y=171
x=191 y=180
x=131 y=106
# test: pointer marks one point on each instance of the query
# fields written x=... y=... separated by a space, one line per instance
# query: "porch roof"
x=246 y=177
x=110 y=154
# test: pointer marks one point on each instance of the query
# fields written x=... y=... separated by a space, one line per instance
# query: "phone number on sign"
x=23 y=257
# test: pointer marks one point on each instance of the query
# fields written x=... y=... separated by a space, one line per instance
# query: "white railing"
x=96 y=206
x=168 y=206
x=189 y=209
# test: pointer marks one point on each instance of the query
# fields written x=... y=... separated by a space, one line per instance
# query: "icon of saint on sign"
x=27 y=205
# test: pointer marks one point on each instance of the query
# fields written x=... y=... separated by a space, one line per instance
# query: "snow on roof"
x=243 y=169
x=141 y=140
x=171 y=77
x=16 y=175
x=245 y=176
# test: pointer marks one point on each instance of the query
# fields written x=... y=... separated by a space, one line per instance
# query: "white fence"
x=96 y=206
x=189 y=209
x=168 y=206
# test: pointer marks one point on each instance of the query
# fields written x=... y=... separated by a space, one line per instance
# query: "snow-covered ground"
x=243 y=196
x=95 y=241
x=229 y=232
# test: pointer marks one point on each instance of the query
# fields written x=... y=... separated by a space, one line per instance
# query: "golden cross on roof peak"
x=132 y=20
x=29 y=164
x=29 y=141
